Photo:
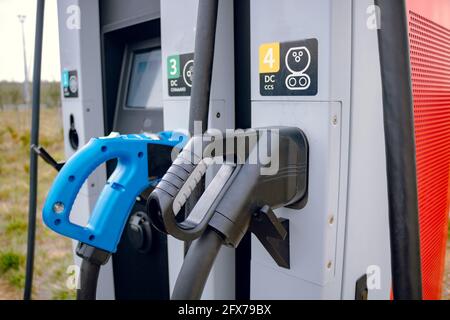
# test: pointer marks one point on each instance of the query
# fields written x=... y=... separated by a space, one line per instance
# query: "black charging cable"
x=197 y=266
x=205 y=38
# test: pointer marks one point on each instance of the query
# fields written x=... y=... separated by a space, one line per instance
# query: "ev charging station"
x=347 y=199
x=127 y=67
x=316 y=231
x=123 y=32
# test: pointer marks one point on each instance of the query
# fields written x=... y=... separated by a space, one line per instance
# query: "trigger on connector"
x=273 y=233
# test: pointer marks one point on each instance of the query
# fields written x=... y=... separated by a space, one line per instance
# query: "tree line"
x=11 y=93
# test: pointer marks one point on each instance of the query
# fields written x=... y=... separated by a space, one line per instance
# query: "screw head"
x=329 y=264
x=334 y=120
x=331 y=220
x=58 y=207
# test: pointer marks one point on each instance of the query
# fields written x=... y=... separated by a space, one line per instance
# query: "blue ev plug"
x=141 y=161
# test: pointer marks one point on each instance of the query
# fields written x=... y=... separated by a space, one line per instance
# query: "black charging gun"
x=241 y=197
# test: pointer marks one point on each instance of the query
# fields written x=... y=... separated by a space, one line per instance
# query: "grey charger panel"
x=316 y=245
x=139 y=105
x=119 y=14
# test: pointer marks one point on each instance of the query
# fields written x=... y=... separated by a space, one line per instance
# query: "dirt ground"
x=8 y=292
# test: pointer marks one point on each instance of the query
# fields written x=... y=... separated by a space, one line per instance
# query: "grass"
x=9 y=261
x=16 y=227
x=10 y=270
x=17 y=280
x=53 y=253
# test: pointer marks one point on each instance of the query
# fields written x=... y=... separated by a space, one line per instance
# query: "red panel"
x=430 y=63
x=436 y=10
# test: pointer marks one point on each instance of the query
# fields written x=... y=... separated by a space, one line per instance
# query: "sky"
x=11 y=49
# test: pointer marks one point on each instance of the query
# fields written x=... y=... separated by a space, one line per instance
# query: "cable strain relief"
x=92 y=254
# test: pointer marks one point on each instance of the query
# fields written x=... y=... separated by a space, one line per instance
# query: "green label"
x=173 y=67
x=180 y=72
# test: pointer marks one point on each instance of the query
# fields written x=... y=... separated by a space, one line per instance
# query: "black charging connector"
x=240 y=198
x=93 y=259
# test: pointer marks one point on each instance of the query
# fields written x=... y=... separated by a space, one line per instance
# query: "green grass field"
x=53 y=252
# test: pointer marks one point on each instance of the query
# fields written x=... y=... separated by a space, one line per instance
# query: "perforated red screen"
x=430 y=62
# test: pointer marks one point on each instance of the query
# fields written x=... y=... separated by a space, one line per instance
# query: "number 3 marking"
x=173 y=67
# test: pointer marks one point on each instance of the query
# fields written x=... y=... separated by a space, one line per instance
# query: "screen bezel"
x=127 y=65
x=130 y=73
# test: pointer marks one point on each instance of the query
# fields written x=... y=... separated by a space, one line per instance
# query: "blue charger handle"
x=129 y=179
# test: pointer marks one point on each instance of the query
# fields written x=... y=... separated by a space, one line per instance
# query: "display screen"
x=145 y=84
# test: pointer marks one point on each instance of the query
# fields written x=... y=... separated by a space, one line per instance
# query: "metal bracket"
x=273 y=233
x=41 y=152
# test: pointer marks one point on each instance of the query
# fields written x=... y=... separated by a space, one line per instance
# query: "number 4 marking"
x=269 y=58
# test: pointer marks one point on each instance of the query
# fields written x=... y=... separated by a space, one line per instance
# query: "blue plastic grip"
x=129 y=179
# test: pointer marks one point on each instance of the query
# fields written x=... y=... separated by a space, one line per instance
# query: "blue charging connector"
x=130 y=178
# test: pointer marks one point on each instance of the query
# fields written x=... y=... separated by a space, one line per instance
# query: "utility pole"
x=26 y=91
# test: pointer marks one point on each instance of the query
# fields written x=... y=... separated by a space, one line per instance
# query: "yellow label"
x=269 y=57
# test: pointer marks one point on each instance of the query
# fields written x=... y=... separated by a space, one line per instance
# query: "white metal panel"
x=80 y=50
x=367 y=238
x=312 y=237
x=316 y=245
